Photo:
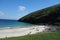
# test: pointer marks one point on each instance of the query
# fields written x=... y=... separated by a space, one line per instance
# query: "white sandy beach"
x=21 y=31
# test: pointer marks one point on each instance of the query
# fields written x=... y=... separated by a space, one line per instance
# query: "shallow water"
x=12 y=24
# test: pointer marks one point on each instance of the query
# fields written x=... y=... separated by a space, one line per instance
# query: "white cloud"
x=22 y=8
x=1 y=13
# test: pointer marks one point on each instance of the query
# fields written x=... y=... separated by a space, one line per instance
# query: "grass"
x=39 y=36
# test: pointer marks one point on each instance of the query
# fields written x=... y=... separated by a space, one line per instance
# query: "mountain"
x=50 y=15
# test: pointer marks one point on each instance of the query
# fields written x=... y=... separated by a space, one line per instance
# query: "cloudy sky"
x=15 y=9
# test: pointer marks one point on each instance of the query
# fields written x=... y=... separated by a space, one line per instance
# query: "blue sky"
x=15 y=9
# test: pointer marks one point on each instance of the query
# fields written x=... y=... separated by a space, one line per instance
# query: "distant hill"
x=50 y=15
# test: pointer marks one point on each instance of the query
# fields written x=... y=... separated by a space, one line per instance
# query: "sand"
x=21 y=31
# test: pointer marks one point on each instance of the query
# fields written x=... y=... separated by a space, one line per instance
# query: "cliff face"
x=50 y=15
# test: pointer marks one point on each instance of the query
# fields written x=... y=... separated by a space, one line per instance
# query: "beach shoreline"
x=15 y=32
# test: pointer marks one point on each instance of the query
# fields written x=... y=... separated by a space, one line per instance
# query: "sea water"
x=12 y=24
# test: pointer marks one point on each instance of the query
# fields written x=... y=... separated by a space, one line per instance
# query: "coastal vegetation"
x=39 y=36
x=50 y=16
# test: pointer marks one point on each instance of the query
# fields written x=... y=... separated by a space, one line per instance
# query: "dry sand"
x=21 y=31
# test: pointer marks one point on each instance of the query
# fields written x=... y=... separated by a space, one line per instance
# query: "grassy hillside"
x=50 y=15
x=39 y=36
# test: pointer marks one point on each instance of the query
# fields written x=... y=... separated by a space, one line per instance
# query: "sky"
x=15 y=9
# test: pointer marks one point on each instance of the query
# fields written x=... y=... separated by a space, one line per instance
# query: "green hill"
x=50 y=15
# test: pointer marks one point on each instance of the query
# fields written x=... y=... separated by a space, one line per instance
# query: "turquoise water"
x=12 y=24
